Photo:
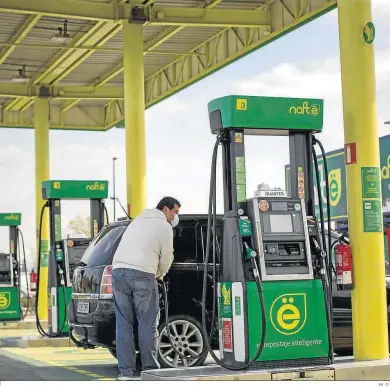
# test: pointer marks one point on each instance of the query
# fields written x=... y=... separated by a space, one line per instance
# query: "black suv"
x=91 y=311
x=92 y=314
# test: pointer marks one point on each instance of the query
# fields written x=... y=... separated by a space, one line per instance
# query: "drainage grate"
x=292 y=364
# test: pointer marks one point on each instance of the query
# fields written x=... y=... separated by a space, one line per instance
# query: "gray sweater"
x=147 y=244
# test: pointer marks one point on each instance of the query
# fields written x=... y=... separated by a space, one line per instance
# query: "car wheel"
x=187 y=332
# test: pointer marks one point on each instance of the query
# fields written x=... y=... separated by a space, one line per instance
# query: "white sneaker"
x=127 y=378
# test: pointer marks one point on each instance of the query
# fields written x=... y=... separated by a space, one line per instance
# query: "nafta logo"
x=305 y=109
x=226 y=295
x=5 y=299
x=288 y=313
x=12 y=217
x=335 y=186
x=96 y=186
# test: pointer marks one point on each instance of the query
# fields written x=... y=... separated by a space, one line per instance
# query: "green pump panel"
x=68 y=189
x=266 y=113
x=281 y=234
x=66 y=252
x=9 y=270
x=10 y=219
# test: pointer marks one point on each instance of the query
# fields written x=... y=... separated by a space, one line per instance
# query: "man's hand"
x=159 y=276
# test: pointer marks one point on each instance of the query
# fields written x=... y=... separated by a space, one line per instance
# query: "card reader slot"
x=276 y=251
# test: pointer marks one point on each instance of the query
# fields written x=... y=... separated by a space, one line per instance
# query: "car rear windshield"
x=102 y=248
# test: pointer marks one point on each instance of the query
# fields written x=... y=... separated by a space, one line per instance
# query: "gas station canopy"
x=71 y=51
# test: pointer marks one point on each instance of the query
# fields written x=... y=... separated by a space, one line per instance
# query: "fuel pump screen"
x=281 y=223
x=76 y=253
x=4 y=264
x=279 y=206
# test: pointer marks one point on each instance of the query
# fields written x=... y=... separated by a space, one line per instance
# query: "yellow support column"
x=133 y=64
x=365 y=221
x=42 y=162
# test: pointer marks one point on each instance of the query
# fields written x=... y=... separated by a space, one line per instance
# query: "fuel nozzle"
x=61 y=273
x=318 y=249
x=250 y=253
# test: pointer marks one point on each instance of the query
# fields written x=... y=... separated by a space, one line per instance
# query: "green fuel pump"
x=10 y=278
x=273 y=286
x=65 y=254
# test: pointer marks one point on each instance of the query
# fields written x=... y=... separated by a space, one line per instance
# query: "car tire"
x=187 y=331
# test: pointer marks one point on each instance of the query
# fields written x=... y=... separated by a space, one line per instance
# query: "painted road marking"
x=64 y=358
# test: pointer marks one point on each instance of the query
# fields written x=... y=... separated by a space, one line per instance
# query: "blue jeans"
x=135 y=295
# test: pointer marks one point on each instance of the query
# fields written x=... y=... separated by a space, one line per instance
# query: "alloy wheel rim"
x=188 y=340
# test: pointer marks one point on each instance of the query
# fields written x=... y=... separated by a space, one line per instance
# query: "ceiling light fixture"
x=22 y=78
x=62 y=35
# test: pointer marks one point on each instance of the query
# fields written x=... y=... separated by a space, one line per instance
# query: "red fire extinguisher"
x=343 y=259
x=33 y=280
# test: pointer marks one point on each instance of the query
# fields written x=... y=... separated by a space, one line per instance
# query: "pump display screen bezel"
x=74 y=252
x=296 y=229
x=293 y=266
x=281 y=223
x=5 y=264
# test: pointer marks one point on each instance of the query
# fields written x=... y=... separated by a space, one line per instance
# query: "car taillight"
x=106 y=284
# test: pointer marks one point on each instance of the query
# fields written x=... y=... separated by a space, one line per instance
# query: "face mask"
x=175 y=220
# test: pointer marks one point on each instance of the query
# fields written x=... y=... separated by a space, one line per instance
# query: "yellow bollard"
x=133 y=64
x=42 y=162
x=365 y=220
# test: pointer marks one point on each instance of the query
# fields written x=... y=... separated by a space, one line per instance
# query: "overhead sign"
x=270 y=193
x=10 y=219
x=258 y=112
x=68 y=189
x=337 y=180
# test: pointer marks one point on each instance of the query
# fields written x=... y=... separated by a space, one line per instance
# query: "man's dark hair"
x=169 y=202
